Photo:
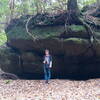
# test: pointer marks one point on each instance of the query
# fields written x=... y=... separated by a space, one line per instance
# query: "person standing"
x=47 y=65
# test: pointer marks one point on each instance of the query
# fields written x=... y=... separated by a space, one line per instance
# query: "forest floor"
x=55 y=90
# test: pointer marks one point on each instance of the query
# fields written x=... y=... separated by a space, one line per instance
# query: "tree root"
x=92 y=39
x=5 y=75
x=27 y=29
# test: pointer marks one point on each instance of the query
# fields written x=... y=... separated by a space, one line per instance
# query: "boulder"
x=9 y=61
x=51 y=37
x=73 y=55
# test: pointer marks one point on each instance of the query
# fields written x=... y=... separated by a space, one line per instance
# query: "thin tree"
x=12 y=7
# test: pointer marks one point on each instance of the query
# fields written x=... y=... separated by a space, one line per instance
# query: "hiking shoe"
x=46 y=82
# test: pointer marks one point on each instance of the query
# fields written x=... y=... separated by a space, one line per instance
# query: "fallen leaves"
x=55 y=90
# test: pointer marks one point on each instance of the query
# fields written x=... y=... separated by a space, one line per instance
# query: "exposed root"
x=8 y=76
x=5 y=75
x=92 y=39
x=27 y=29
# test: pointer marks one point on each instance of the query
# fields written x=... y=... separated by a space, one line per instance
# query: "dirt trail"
x=55 y=90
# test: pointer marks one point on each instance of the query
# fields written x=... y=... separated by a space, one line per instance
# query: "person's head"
x=46 y=52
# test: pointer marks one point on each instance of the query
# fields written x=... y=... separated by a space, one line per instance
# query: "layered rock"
x=9 y=61
x=73 y=55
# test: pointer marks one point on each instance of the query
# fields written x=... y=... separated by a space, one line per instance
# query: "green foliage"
x=23 y=7
x=82 y=3
x=3 y=38
x=34 y=6
x=4 y=9
x=88 y=2
x=8 y=81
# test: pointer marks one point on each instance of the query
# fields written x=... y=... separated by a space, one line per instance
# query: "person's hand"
x=50 y=66
x=44 y=62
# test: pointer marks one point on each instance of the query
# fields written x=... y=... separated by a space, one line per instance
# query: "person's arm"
x=50 y=62
x=44 y=59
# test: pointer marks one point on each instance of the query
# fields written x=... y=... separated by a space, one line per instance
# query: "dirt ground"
x=55 y=90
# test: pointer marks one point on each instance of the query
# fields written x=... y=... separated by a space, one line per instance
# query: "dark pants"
x=47 y=72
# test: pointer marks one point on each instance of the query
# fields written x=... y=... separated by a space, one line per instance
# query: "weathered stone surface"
x=72 y=54
x=9 y=62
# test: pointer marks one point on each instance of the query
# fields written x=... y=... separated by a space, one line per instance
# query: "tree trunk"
x=73 y=6
x=73 y=12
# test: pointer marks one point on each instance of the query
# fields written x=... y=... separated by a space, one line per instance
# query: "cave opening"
x=71 y=76
x=79 y=71
x=72 y=67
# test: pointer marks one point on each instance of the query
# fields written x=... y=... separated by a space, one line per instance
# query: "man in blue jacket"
x=47 y=65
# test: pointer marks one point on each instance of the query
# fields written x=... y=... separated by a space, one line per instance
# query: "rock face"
x=9 y=61
x=73 y=56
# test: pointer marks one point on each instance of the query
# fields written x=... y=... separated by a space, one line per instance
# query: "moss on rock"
x=18 y=32
x=77 y=28
x=76 y=40
x=48 y=31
